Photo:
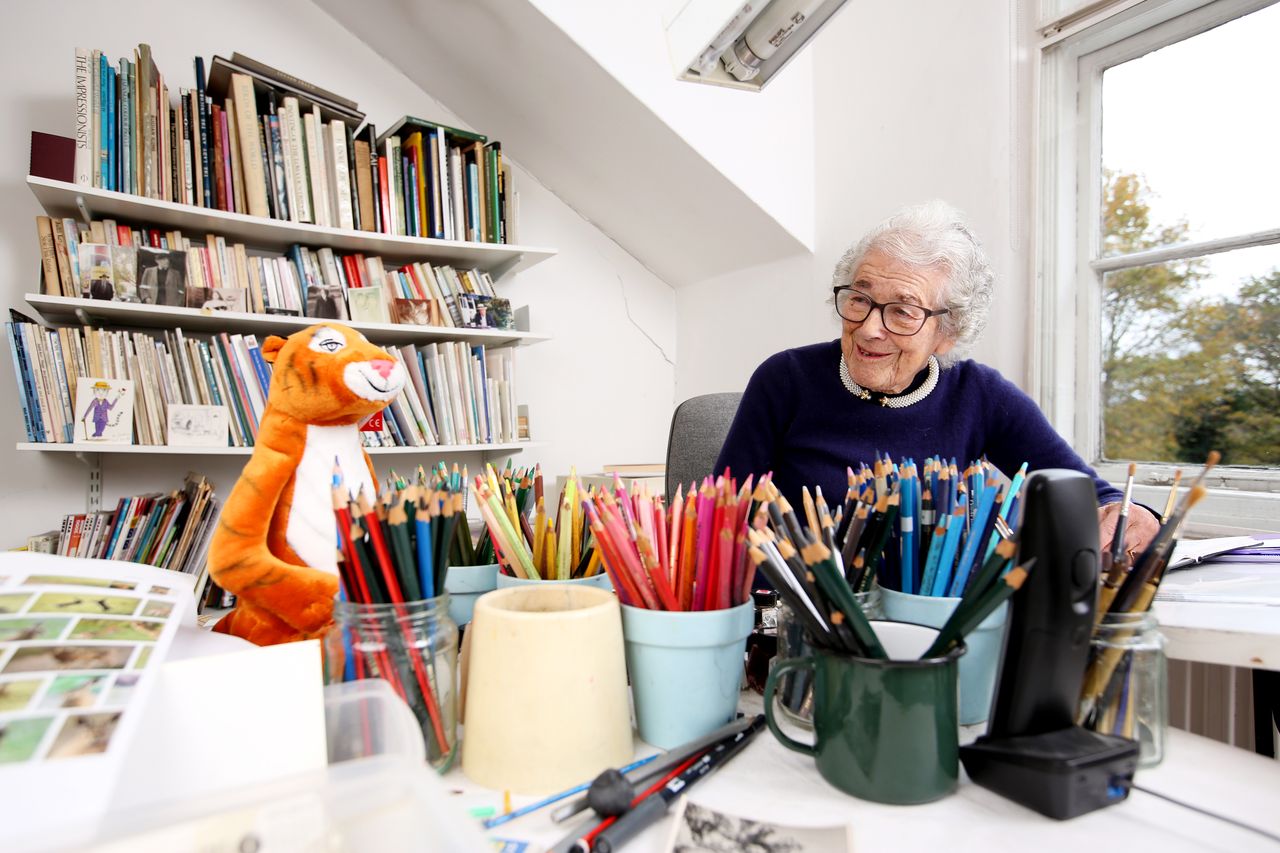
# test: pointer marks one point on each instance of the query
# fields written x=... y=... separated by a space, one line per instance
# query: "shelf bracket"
x=93 y=496
x=84 y=209
x=85 y=317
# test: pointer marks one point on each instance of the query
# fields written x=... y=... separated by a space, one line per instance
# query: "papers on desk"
x=81 y=642
x=1232 y=570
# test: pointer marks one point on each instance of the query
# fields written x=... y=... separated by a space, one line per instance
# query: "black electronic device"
x=1033 y=753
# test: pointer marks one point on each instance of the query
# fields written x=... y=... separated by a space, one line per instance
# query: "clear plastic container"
x=795 y=694
x=413 y=646
x=1126 y=688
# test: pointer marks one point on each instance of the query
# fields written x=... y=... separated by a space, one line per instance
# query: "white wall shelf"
x=97 y=312
x=151 y=449
x=62 y=199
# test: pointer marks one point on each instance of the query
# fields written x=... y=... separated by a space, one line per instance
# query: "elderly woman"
x=910 y=295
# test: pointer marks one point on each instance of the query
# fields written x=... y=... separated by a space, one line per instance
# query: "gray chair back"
x=698 y=430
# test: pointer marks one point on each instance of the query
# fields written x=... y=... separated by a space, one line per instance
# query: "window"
x=1159 y=242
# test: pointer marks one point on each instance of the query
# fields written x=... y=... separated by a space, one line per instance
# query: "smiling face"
x=330 y=374
x=877 y=359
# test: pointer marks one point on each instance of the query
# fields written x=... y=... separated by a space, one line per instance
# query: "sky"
x=1199 y=120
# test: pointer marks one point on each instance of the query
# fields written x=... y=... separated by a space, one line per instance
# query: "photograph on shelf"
x=417 y=312
x=124 y=266
x=500 y=314
x=218 y=298
x=367 y=305
x=105 y=408
x=97 y=281
x=162 y=277
x=325 y=302
x=197 y=426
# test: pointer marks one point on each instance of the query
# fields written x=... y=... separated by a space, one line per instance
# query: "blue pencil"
x=956 y=526
x=426 y=571
x=906 y=524
x=985 y=503
x=935 y=553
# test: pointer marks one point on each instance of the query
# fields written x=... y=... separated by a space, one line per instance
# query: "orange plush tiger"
x=275 y=542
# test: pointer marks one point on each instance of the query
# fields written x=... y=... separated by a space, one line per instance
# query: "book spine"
x=109 y=98
x=342 y=173
x=48 y=256
x=84 y=107
x=255 y=174
x=279 y=172
x=374 y=179
x=126 y=130
x=20 y=372
x=297 y=162
x=315 y=169
x=234 y=165
x=202 y=104
x=219 y=143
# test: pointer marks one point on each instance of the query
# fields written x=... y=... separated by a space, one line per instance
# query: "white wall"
x=602 y=369
x=912 y=101
x=763 y=142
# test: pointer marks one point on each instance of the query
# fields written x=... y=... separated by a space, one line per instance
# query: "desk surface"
x=775 y=784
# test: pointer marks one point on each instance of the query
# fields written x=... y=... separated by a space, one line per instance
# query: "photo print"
x=162 y=277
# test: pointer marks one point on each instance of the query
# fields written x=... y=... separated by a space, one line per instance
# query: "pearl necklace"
x=899 y=402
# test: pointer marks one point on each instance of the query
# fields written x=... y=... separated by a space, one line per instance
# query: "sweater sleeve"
x=756 y=434
x=1019 y=432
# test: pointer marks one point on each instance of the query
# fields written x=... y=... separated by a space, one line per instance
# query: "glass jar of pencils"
x=414 y=646
x=795 y=693
x=1126 y=687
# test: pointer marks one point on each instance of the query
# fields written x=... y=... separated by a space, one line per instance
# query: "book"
x=283 y=78
x=252 y=162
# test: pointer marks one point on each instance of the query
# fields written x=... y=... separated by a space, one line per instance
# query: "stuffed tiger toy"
x=275 y=544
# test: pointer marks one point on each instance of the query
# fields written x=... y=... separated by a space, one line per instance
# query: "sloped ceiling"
x=512 y=74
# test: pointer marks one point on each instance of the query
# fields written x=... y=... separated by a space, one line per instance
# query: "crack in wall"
x=626 y=306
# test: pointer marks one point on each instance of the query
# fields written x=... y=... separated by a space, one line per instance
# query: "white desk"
x=774 y=784
x=1245 y=635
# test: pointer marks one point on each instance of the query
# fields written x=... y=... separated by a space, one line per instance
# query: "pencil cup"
x=546 y=688
x=465 y=584
x=884 y=730
x=979 y=666
x=686 y=669
x=414 y=647
x=600 y=580
x=796 y=690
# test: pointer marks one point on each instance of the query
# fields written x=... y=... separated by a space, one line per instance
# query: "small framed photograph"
x=162 y=277
x=97 y=278
x=418 y=312
x=367 y=305
x=124 y=263
x=218 y=298
x=104 y=411
x=197 y=426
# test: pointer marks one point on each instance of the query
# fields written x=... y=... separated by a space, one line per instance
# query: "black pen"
x=652 y=808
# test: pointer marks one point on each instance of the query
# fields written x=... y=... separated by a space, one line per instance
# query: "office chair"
x=698 y=429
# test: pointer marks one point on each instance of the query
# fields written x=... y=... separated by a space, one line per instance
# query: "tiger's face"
x=329 y=374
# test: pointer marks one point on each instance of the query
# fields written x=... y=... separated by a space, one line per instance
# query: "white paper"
x=78 y=663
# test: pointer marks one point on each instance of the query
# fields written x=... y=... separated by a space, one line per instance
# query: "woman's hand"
x=1139 y=532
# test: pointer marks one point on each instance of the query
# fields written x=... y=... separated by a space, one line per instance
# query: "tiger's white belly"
x=311 y=531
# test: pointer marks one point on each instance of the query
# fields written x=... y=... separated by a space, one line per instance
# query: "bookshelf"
x=64 y=309
x=61 y=199
x=166 y=450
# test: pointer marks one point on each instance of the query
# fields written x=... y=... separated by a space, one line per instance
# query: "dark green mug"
x=884 y=730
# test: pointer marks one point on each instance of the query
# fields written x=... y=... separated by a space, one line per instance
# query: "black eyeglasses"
x=900 y=318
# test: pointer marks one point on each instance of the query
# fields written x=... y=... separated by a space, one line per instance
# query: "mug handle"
x=779 y=669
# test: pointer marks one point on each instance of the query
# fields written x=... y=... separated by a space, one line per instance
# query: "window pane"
x=1193 y=126
x=1191 y=360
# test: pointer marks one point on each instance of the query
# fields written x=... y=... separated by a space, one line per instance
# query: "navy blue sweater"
x=798 y=420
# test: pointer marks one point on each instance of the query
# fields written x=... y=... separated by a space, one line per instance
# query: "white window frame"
x=1066 y=348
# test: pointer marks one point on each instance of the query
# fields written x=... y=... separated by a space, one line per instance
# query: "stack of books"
x=457 y=393
x=252 y=139
x=170 y=531
x=108 y=260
